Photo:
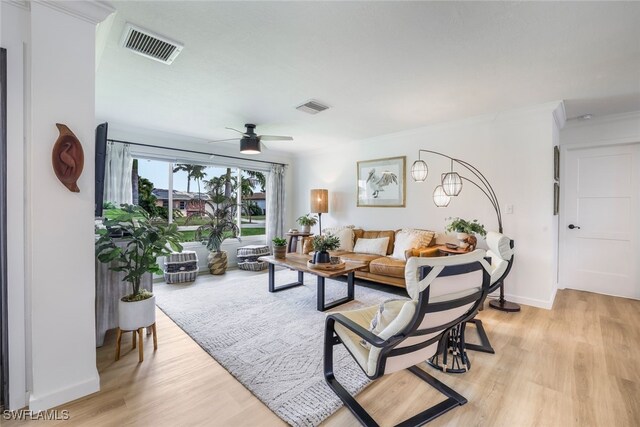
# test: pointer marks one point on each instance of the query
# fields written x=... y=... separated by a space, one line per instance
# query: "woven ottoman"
x=181 y=267
x=248 y=257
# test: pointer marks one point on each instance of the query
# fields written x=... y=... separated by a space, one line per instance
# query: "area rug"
x=271 y=342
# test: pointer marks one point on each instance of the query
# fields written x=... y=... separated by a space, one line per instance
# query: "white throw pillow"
x=425 y=236
x=345 y=234
x=387 y=312
x=404 y=241
x=372 y=246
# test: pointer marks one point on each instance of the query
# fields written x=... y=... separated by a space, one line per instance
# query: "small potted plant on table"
x=279 y=247
x=322 y=244
x=464 y=229
x=306 y=222
x=146 y=241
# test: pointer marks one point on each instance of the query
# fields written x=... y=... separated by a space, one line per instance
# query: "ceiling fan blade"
x=224 y=140
x=239 y=131
x=275 y=138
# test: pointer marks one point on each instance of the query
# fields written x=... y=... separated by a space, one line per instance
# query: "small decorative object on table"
x=248 y=257
x=307 y=221
x=464 y=230
x=322 y=244
x=279 y=247
x=181 y=267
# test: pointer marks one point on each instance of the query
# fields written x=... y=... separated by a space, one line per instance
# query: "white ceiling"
x=382 y=66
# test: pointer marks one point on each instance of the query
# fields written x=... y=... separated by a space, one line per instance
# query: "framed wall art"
x=381 y=182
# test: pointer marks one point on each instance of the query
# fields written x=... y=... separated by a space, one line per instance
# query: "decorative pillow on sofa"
x=372 y=246
x=426 y=236
x=387 y=311
x=409 y=238
x=345 y=234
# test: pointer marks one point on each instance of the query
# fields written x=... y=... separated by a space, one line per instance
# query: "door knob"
x=571 y=227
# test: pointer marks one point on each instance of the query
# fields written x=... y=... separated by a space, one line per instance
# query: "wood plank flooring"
x=576 y=365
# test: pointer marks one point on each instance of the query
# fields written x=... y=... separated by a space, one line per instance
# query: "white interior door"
x=600 y=220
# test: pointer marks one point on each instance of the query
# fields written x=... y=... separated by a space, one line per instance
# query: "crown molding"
x=21 y=4
x=93 y=12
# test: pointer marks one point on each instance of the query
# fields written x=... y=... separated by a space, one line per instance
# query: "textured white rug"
x=271 y=342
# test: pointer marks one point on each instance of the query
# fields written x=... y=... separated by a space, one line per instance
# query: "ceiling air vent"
x=150 y=45
x=312 y=107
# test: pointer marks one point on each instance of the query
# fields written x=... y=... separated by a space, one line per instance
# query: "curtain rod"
x=195 y=152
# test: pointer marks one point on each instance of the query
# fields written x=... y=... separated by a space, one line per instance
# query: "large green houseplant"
x=221 y=224
x=135 y=251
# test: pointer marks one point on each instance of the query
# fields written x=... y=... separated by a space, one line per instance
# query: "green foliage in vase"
x=308 y=219
x=145 y=242
x=279 y=241
x=460 y=225
x=325 y=242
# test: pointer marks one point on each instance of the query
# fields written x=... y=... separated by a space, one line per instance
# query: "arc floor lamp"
x=451 y=184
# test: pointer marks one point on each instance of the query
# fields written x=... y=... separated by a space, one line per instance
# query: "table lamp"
x=319 y=199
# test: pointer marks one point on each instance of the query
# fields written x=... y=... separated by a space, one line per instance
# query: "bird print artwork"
x=378 y=181
x=67 y=158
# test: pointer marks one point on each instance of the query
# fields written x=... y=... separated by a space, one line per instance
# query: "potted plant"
x=307 y=221
x=322 y=244
x=279 y=247
x=464 y=229
x=146 y=241
x=220 y=224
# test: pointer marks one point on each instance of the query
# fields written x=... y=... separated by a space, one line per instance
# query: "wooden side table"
x=445 y=251
x=293 y=239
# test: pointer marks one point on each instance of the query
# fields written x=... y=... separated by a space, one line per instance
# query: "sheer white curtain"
x=117 y=175
x=275 y=203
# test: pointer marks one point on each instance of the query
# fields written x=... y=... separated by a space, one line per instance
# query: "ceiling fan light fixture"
x=250 y=146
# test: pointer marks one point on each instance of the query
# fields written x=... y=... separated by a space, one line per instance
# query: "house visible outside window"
x=197 y=190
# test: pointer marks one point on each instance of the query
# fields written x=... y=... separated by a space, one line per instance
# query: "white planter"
x=306 y=229
x=138 y=314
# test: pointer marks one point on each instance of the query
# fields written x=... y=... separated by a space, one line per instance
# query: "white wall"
x=515 y=152
x=53 y=345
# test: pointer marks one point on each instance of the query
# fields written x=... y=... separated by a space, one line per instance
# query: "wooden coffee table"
x=298 y=263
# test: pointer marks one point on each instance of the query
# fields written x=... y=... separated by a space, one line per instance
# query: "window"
x=196 y=189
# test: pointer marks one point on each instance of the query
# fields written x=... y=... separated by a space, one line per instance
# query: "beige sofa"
x=383 y=269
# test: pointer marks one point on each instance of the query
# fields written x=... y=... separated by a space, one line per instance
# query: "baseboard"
x=58 y=397
x=533 y=302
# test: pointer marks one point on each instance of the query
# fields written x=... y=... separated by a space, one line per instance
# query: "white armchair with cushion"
x=444 y=291
x=501 y=253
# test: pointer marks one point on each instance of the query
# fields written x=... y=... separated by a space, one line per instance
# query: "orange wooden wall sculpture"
x=67 y=158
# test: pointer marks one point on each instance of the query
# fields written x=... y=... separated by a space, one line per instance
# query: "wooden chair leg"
x=118 y=339
x=140 y=346
x=133 y=339
x=155 y=337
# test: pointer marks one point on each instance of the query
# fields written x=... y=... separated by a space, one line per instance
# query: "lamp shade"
x=440 y=198
x=319 y=200
x=452 y=183
x=250 y=145
x=419 y=171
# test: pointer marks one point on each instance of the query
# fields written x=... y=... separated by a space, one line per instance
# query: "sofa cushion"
x=387 y=266
x=372 y=246
x=405 y=241
x=365 y=258
x=374 y=234
x=345 y=234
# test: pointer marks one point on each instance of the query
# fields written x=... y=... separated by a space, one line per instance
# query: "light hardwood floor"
x=575 y=365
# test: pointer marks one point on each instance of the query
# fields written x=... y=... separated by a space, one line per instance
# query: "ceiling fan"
x=250 y=142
